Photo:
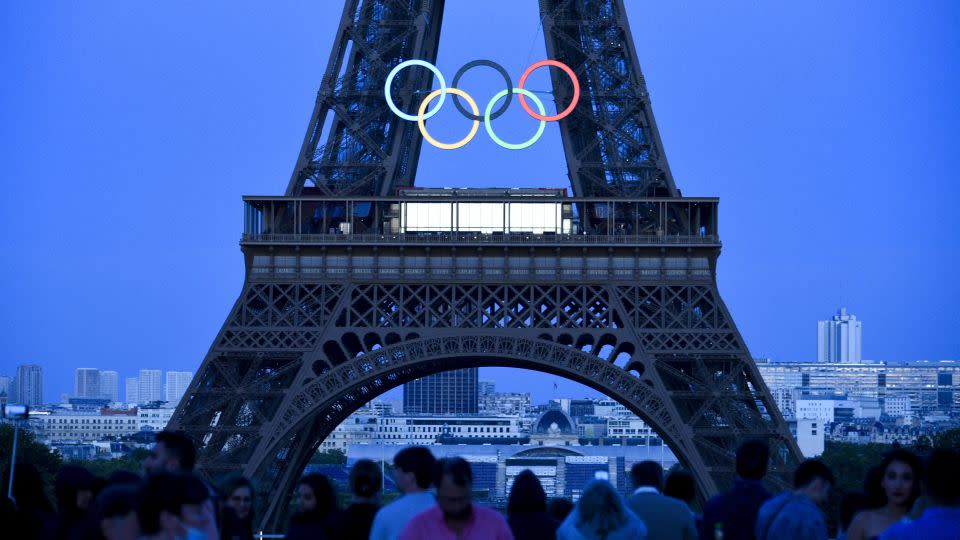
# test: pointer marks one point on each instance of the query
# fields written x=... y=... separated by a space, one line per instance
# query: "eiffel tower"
x=344 y=300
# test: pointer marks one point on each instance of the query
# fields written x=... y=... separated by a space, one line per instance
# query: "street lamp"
x=14 y=413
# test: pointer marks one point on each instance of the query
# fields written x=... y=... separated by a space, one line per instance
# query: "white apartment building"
x=899 y=406
x=839 y=339
x=816 y=409
x=809 y=434
x=149 y=386
x=154 y=419
x=110 y=385
x=84 y=425
x=132 y=394
x=87 y=383
x=367 y=427
x=177 y=383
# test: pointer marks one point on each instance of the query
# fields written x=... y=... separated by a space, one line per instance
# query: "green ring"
x=498 y=140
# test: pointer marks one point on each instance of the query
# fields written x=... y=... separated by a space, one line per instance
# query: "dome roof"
x=555 y=422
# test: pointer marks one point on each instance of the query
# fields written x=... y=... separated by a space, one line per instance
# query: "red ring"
x=576 y=90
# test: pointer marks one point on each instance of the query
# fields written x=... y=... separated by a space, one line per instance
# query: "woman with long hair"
x=356 y=520
x=891 y=496
x=236 y=508
x=316 y=501
x=527 y=509
x=601 y=514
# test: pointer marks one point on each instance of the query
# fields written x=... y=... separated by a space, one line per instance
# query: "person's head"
x=453 y=479
x=315 y=497
x=600 y=509
x=74 y=488
x=814 y=479
x=174 y=504
x=752 y=458
x=527 y=495
x=173 y=452
x=680 y=485
x=942 y=477
x=647 y=474
x=413 y=469
x=365 y=479
x=900 y=471
x=115 y=512
x=559 y=508
x=28 y=488
x=237 y=494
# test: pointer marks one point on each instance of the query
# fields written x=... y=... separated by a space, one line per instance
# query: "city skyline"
x=777 y=278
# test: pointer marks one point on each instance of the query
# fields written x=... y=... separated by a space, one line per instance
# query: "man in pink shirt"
x=455 y=517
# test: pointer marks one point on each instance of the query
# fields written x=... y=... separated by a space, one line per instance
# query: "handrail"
x=471 y=238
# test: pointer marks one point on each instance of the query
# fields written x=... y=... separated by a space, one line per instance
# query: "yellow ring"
x=423 y=128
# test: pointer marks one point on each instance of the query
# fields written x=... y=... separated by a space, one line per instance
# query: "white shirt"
x=392 y=518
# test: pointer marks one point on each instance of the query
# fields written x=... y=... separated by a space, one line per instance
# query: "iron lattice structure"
x=340 y=304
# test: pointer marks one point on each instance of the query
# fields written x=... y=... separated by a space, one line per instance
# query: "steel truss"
x=327 y=322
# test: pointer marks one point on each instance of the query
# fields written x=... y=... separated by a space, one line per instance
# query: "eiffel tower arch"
x=344 y=299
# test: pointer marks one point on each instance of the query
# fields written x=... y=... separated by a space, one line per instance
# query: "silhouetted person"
x=794 y=515
x=899 y=486
x=34 y=513
x=175 y=506
x=601 y=514
x=455 y=515
x=74 y=490
x=850 y=505
x=680 y=485
x=316 y=501
x=114 y=513
x=413 y=474
x=236 y=508
x=941 y=519
x=355 y=521
x=735 y=512
x=559 y=508
x=527 y=509
x=172 y=452
x=665 y=517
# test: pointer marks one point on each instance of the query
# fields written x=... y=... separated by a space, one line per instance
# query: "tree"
x=105 y=467
x=29 y=450
x=949 y=439
x=329 y=457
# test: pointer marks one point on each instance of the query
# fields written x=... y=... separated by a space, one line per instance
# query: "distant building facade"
x=177 y=383
x=28 y=385
x=132 y=391
x=87 y=383
x=149 y=386
x=839 y=339
x=448 y=392
x=110 y=385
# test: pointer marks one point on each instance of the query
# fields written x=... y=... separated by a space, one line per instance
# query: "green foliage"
x=29 y=450
x=329 y=457
x=105 y=467
x=947 y=439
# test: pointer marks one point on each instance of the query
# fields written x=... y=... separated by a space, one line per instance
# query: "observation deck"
x=480 y=217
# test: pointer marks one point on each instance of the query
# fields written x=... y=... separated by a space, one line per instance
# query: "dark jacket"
x=736 y=510
x=353 y=523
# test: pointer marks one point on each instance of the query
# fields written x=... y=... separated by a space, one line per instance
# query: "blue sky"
x=130 y=130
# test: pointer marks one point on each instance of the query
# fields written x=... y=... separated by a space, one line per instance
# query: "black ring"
x=488 y=63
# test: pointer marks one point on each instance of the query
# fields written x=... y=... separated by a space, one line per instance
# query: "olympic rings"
x=576 y=90
x=393 y=73
x=487 y=118
x=423 y=128
x=488 y=63
x=489 y=115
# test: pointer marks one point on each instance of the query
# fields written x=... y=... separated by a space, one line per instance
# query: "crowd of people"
x=904 y=497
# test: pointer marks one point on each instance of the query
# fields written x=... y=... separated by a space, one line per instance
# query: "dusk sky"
x=130 y=130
